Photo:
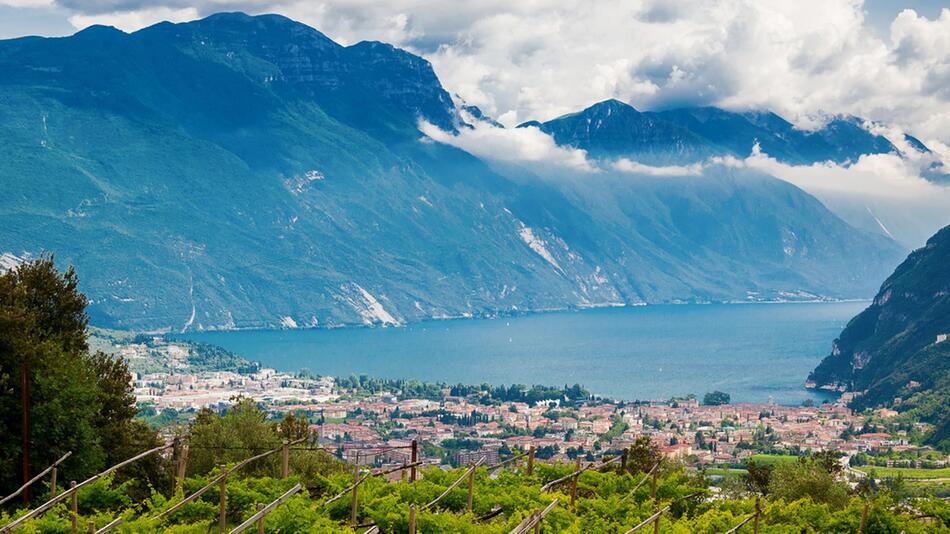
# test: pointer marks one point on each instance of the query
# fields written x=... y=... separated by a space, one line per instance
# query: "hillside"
x=890 y=351
x=242 y=171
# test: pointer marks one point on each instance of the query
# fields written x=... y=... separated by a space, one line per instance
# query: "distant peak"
x=99 y=31
x=610 y=105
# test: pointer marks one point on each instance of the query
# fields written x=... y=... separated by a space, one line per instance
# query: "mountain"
x=247 y=171
x=613 y=129
x=896 y=352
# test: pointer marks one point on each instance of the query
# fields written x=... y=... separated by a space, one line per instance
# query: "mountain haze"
x=243 y=171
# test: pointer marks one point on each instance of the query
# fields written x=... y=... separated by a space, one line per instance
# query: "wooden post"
x=413 y=458
x=176 y=458
x=471 y=490
x=260 y=522
x=758 y=510
x=182 y=465
x=864 y=517
x=531 y=460
x=537 y=526
x=412 y=519
x=222 y=502
x=74 y=506
x=52 y=483
x=577 y=467
x=285 y=459
x=623 y=461
x=354 y=503
x=91 y=527
x=656 y=502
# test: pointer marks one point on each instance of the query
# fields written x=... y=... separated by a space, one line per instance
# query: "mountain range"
x=687 y=135
x=247 y=171
x=896 y=352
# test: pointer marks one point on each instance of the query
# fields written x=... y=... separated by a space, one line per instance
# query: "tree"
x=643 y=455
x=716 y=398
x=76 y=402
x=758 y=477
x=791 y=481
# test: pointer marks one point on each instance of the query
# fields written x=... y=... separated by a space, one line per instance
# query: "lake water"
x=751 y=351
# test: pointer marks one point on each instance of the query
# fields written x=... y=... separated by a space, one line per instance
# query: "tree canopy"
x=77 y=401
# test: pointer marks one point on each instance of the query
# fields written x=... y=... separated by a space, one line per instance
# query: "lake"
x=751 y=351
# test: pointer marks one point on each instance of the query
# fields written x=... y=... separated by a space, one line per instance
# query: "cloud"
x=627 y=165
x=26 y=3
x=519 y=145
x=875 y=175
x=132 y=20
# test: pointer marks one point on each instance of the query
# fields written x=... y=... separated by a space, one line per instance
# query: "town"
x=374 y=422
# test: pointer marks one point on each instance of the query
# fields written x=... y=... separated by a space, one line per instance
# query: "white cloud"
x=522 y=145
x=627 y=165
x=27 y=3
x=132 y=20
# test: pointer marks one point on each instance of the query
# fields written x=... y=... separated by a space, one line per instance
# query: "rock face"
x=249 y=172
x=897 y=348
x=688 y=135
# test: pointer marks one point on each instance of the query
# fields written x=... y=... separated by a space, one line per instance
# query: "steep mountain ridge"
x=911 y=309
x=687 y=135
x=244 y=171
x=897 y=352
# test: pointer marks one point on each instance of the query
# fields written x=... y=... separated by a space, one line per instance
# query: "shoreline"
x=502 y=314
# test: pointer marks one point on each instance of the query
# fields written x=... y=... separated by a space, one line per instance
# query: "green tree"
x=716 y=398
x=808 y=478
x=77 y=402
x=643 y=455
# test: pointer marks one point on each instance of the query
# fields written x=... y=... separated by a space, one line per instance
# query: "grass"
x=907 y=472
x=772 y=459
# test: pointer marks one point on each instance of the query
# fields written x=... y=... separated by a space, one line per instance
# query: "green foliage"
x=642 y=455
x=716 y=398
x=78 y=402
x=807 y=478
x=606 y=503
x=895 y=337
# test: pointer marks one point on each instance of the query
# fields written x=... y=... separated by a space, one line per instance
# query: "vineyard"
x=299 y=486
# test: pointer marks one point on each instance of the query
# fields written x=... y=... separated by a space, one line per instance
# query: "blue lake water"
x=751 y=351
